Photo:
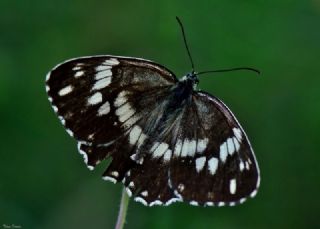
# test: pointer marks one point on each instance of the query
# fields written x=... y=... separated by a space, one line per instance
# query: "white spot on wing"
x=141 y=200
x=194 y=203
x=95 y=98
x=104 y=109
x=102 y=83
x=241 y=166
x=103 y=74
x=115 y=173
x=112 y=61
x=141 y=139
x=236 y=144
x=177 y=148
x=160 y=150
x=172 y=201
x=156 y=202
x=131 y=121
x=233 y=186
x=247 y=165
x=134 y=134
x=192 y=148
x=223 y=152
x=83 y=153
x=107 y=178
x=185 y=148
x=66 y=90
x=200 y=162
x=155 y=145
x=167 y=155
x=103 y=68
x=237 y=133
x=202 y=145
x=79 y=74
x=124 y=112
x=230 y=146
x=242 y=200
x=220 y=204
x=121 y=98
x=254 y=193
x=213 y=165
x=144 y=193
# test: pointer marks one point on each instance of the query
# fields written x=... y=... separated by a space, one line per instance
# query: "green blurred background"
x=43 y=181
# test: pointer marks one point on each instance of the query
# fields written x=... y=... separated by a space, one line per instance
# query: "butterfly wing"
x=221 y=168
x=84 y=93
x=110 y=104
x=125 y=108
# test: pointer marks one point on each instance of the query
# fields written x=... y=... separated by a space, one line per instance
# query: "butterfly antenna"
x=230 y=70
x=185 y=42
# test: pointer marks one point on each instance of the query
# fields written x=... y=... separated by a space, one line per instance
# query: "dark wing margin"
x=226 y=172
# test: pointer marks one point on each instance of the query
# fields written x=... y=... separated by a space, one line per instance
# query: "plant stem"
x=123 y=209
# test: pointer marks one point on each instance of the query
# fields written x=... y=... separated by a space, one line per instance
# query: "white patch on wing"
x=95 y=98
x=177 y=148
x=236 y=144
x=155 y=145
x=192 y=148
x=124 y=112
x=112 y=61
x=121 y=99
x=202 y=145
x=107 y=178
x=223 y=152
x=141 y=139
x=104 y=109
x=79 y=74
x=144 y=193
x=102 y=83
x=213 y=165
x=77 y=67
x=241 y=166
x=156 y=202
x=185 y=148
x=200 y=162
x=237 y=133
x=103 y=74
x=131 y=121
x=160 y=150
x=115 y=173
x=103 y=68
x=167 y=155
x=141 y=200
x=66 y=90
x=230 y=146
x=134 y=134
x=247 y=165
x=233 y=186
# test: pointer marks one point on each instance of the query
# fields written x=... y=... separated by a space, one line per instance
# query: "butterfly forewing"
x=85 y=93
x=165 y=146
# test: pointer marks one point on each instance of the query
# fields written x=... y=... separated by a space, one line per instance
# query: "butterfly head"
x=193 y=77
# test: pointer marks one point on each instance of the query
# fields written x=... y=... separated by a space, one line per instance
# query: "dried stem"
x=123 y=210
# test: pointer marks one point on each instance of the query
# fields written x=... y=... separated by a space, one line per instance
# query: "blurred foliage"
x=43 y=182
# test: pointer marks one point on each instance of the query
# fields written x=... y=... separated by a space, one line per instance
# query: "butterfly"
x=167 y=140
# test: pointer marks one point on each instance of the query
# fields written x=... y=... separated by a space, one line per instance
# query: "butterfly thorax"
x=183 y=90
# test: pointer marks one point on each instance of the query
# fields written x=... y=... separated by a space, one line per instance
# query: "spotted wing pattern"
x=162 y=151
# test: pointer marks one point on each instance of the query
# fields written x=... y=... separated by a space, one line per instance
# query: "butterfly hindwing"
x=225 y=172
